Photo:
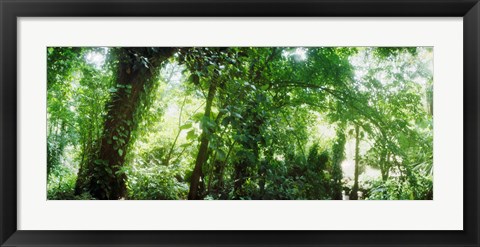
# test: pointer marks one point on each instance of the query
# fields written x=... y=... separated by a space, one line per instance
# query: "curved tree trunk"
x=137 y=69
x=202 y=156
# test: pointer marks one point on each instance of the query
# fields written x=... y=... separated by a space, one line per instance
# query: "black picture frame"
x=10 y=10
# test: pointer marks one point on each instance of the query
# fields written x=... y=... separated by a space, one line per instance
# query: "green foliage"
x=388 y=52
x=273 y=122
x=156 y=183
x=318 y=180
x=61 y=184
x=399 y=189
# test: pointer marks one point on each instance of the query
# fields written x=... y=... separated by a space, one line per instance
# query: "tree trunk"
x=429 y=96
x=354 y=192
x=203 y=150
x=240 y=177
x=337 y=159
x=135 y=78
x=384 y=163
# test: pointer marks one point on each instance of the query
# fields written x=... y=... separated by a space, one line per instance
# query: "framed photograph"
x=239 y=123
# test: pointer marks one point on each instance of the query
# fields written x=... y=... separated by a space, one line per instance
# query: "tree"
x=338 y=155
x=354 y=192
x=136 y=71
x=208 y=67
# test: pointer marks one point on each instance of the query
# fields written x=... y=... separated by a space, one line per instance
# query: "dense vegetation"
x=257 y=123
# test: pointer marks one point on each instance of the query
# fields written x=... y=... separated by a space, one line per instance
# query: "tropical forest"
x=239 y=123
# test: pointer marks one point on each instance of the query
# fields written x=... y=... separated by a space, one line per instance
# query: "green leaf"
x=191 y=135
x=237 y=115
x=109 y=170
x=185 y=145
x=223 y=110
x=120 y=152
x=186 y=126
x=198 y=116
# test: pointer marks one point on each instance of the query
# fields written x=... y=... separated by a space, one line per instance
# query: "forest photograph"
x=239 y=123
